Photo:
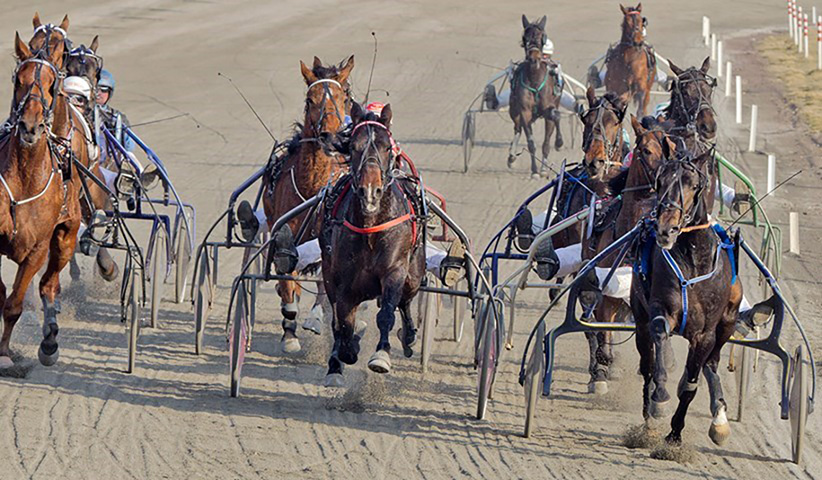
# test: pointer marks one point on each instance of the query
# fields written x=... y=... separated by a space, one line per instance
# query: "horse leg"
x=392 y=289
x=346 y=342
x=532 y=148
x=290 y=308
x=409 y=329
x=597 y=381
x=660 y=335
x=556 y=116
x=108 y=267
x=5 y=356
x=314 y=321
x=701 y=348
x=512 y=150
x=546 y=142
x=13 y=305
x=60 y=252
x=720 y=429
x=645 y=347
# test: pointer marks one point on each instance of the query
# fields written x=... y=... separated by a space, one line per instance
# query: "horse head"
x=602 y=132
x=652 y=148
x=83 y=61
x=691 y=93
x=51 y=38
x=533 y=38
x=326 y=99
x=36 y=87
x=633 y=24
x=682 y=185
x=372 y=156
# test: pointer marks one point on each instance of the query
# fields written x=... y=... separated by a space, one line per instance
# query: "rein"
x=611 y=148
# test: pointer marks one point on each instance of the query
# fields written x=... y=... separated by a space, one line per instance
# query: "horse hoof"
x=659 y=409
x=313 y=325
x=598 y=388
x=6 y=362
x=112 y=274
x=47 y=360
x=359 y=328
x=334 y=380
x=511 y=160
x=407 y=348
x=380 y=362
x=535 y=176
x=291 y=345
x=720 y=429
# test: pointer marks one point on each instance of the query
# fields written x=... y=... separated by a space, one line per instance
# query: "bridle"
x=83 y=52
x=47 y=30
x=666 y=203
x=648 y=172
x=691 y=111
x=326 y=84
x=529 y=45
x=371 y=153
x=612 y=148
x=636 y=27
x=48 y=109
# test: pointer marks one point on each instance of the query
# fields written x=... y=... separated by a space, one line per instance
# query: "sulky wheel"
x=534 y=376
x=202 y=299
x=182 y=258
x=487 y=354
x=467 y=139
x=798 y=398
x=428 y=308
x=131 y=312
x=459 y=312
x=158 y=274
x=238 y=338
x=743 y=373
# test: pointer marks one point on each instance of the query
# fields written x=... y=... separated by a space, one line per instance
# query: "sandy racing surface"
x=173 y=417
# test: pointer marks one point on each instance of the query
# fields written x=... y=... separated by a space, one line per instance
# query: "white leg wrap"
x=570 y=259
x=567 y=101
x=720 y=418
x=308 y=252
x=619 y=286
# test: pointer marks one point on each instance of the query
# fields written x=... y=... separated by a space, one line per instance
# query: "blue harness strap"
x=728 y=245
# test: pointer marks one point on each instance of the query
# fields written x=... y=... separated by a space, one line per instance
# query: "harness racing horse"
x=631 y=63
x=306 y=169
x=535 y=93
x=372 y=245
x=686 y=282
x=39 y=201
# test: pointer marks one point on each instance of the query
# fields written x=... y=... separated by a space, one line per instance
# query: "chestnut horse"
x=686 y=282
x=39 y=201
x=631 y=63
x=534 y=95
x=308 y=168
x=372 y=245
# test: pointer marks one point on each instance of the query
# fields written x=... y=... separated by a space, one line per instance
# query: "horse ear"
x=94 y=44
x=542 y=22
x=65 y=23
x=638 y=128
x=20 y=48
x=386 y=116
x=706 y=65
x=346 y=70
x=525 y=21
x=357 y=113
x=592 y=96
x=639 y=7
x=623 y=101
x=624 y=10
x=36 y=20
x=669 y=145
x=308 y=75
x=317 y=62
x=677 y=71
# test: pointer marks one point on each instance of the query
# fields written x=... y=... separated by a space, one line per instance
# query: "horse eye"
x=646 y=152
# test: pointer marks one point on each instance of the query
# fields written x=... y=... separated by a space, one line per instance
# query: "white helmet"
x=77 y=86
x=548 y=48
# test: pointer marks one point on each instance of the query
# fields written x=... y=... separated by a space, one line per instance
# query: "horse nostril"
x=361 y=191
x=378 y=191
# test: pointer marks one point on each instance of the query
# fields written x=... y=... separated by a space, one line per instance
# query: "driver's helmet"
x=78 y=89
x=106 y=81
x=375 y=107
x=548 y=48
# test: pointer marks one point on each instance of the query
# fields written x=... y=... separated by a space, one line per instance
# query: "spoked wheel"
x=428 y=319
x=131 y=312
x=158 y=274
x=478 y=314
x=798 y=410
x=467 y=139
x=202 y=299
x=182 y=258
x=534 y=377
x=743 y=373
x=459 y=313
x=488 y=353
x=238 y=337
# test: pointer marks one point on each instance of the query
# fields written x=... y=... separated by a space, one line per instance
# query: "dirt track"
x=173 y=418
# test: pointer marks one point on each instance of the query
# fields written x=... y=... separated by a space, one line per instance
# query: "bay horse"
x=309 y=167
x=372 y=245
x=535 y=94
x=631 y=63
x=685 y=282
x=39 y=201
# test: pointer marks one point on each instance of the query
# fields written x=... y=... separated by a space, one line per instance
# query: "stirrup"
x=757 y=316
x=451 y=266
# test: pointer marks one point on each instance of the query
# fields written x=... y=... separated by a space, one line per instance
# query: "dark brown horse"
x=39 y=201
x=535 y=94
x=308 y=168
x=372 y=245
x=631 y=63
x=686 y=283
x=691 y=106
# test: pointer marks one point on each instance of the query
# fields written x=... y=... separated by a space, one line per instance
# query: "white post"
x=771 y=173
x=799 y=29
x=719 y=58
x=728 y=79
x=707 y=30
x=738 y=99
x=752 y=140
x=705 y=27
x=713 y=47
x=805 y=34
x=794 y=216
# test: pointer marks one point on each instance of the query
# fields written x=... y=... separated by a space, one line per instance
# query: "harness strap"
x=535 y=91
x=377 y=228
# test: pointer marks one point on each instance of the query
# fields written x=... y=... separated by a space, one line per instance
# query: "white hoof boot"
x=334 y=380
x=359 y=328
x=314 y=322
x=6 y=362
x=659 y=409
x=291 y=345
x=598 y=388
x=380 y=362
x=720 y=429
x=47 y=360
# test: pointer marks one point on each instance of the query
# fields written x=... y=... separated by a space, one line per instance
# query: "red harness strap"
x=376 y=228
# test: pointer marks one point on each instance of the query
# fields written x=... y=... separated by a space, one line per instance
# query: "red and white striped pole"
x=805 y=34
x=819 y=42
x=790 y=18
x=793 y=21
x=799 y=42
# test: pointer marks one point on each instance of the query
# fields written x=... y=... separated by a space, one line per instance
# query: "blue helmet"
x=106 y=80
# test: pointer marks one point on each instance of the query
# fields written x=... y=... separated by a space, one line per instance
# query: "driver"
x=597 y=78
